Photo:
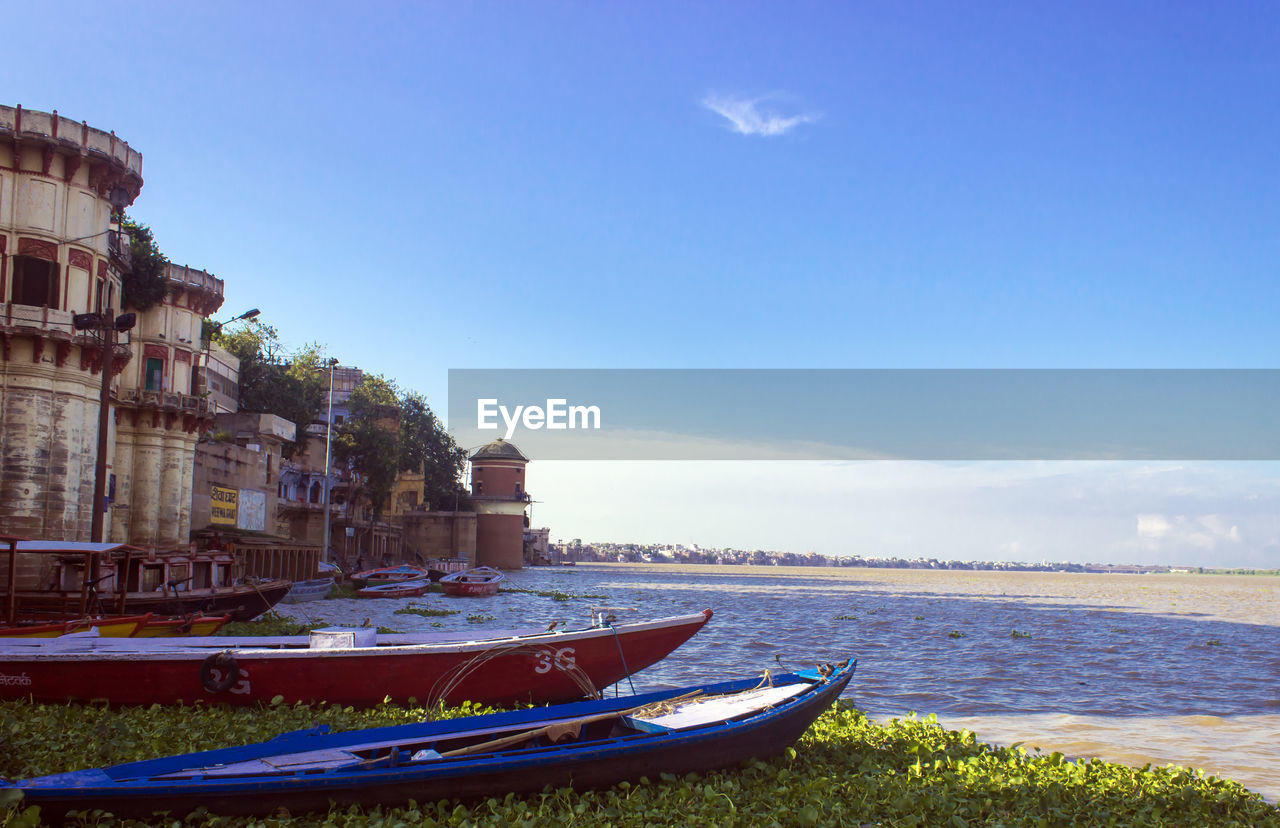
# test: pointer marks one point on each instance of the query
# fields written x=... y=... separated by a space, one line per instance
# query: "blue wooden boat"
x=585 y=744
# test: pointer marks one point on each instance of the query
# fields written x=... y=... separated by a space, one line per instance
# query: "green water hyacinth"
x=425 y=612
x=846 y=771
x=555 y=594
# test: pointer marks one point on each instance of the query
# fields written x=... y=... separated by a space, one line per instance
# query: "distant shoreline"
x=822 y=562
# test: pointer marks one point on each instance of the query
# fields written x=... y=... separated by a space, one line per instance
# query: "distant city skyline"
x=420 y=187
x=576 y=551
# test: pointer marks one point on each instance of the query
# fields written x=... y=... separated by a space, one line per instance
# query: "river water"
x=1180 y=669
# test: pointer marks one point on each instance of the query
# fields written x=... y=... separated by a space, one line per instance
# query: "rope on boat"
x=253 y=582
x=625 y=668
x=452 y=678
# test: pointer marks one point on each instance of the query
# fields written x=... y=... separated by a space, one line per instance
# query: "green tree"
x=425 y=445
x=294 y=387
x=146 y=285
x=368 y=441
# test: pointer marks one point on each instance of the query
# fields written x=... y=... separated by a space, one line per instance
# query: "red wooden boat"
x=476 y=582
x=401 y=589
x=355 y=667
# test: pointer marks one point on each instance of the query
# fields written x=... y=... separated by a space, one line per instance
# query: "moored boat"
x=355 y=667
x=310 y=590
x=475 y=582
x=399 y=589
x=389 y=575
x=586 y=745
x=111 y=627
x=190 y=625
x=67 y=580
x=437 y=568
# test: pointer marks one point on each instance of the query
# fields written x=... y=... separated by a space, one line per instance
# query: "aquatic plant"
x=1016 y=634
x=425 y=612
x=555 y=594
x=478 y=618
x=271 y=623
x=847 y=770
x=955 y=634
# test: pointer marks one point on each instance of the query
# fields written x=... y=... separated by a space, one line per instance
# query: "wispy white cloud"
x=766 y=115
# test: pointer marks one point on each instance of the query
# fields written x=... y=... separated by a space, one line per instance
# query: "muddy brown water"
x=1162 y=669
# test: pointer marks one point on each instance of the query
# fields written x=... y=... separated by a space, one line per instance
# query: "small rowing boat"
x=389 y=575
x=113 y=626
x=590 y=744
x=475 y=582
x=399 y=589
x=311 y=590
x=190 y=625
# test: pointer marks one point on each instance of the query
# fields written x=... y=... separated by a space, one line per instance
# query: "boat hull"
x=141 y=789
x=312 y=590
x=469 y=590
x=242 y=603
x=389 y=575
x=195 y=625
x=539 y=669
x=476 y=582
x=399 y=589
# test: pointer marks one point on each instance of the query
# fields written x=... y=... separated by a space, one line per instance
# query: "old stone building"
x=61 y=254
x=60 y=182
x=162 y=410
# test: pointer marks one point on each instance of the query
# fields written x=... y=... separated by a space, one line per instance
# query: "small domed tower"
x=499 y=497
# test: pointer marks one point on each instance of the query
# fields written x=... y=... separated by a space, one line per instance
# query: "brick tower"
x=499 y=497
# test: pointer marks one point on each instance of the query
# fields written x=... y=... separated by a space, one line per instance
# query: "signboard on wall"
x=222 y=506
x=253 y=510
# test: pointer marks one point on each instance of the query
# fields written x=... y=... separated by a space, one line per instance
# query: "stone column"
x=171 y=476
x=188 y=483
x=144 y=497
x=122 y=466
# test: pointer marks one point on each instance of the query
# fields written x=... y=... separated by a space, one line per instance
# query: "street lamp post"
x=328 y=433
x=105 y=327
x=207 y=340
x=217 y=326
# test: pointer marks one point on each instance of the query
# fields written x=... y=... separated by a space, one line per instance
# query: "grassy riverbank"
x=846 y=770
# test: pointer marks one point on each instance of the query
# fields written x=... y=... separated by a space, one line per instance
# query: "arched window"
x=315 y=492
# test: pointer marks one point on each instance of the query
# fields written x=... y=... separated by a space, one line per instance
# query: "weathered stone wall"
x=500 y=540
x=48 y=446
x=228 y=465
x=438 y=535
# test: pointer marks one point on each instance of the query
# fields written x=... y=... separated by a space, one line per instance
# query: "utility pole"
x=328 y=434
x=104 y=327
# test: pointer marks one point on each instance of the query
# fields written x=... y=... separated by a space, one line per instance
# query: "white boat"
x=312 y=590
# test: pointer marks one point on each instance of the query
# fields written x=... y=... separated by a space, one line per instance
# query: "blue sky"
x=422 y=187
